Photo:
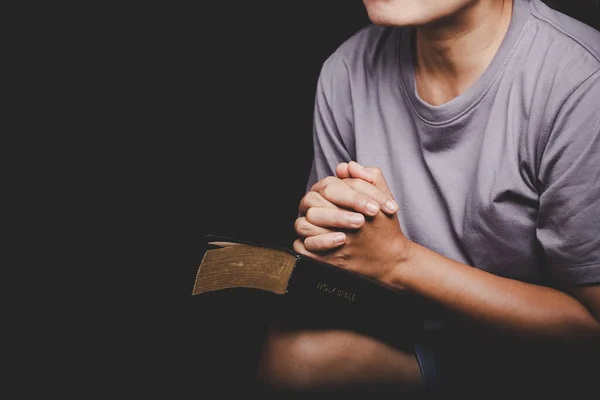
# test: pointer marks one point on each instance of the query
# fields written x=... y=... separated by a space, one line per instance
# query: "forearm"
x=499 y=303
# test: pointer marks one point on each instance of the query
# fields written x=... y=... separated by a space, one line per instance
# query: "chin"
x=410 y=12
x=387 y=13
x=384 y=20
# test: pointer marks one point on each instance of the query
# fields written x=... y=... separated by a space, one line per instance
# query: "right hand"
x=335 y=205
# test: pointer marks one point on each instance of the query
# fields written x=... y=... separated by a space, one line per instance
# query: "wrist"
x=396 y=276
x=406 y=251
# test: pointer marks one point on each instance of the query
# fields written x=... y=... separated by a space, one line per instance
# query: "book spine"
x=344 y=294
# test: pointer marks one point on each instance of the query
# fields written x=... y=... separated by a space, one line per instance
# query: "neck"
x=452 y=53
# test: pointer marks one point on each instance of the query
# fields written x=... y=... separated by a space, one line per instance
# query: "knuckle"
x=302 y=204
x=307 y=200
x=297 y=245
x=340 y=219
x=332 y=242
x=310 y=215
x=349 y=182
x=328 y=191
x=297 y=224
x=311 y=198
x=353 y=182
x=335 y=219
x=328 y=180
x=341 y=260
x=311 y=243
x=330 y=183
x=302 y=227
x=359 y=200
x=381 y=197
x=316 y=216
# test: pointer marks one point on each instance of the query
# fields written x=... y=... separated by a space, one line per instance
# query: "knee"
x=285 y=363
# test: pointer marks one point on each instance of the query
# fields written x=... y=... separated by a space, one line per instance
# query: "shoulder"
x=558 y=62
x=577 y=44
x=572 y=48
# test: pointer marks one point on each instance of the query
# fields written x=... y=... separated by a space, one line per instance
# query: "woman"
x=457 y=156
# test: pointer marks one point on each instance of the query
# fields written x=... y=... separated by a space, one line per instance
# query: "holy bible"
x=230 y=263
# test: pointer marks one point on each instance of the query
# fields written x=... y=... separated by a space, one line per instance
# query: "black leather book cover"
x=345 y=295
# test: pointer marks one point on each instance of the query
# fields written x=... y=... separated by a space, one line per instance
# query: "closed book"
x=230 y=263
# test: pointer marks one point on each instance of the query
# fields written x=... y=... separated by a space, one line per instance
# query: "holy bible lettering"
x=336 y=291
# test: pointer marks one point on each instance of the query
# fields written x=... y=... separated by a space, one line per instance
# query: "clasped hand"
x=350 y=221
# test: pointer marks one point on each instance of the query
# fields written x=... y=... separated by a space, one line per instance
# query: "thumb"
x=372 y=175
x=342 y=171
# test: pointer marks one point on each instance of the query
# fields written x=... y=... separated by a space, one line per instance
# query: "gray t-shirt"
x=505 y=177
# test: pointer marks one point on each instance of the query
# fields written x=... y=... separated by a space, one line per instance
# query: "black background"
x=160 y=122
x=206 y=113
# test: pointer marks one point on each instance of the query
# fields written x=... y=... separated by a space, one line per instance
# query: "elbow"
x=281 y=366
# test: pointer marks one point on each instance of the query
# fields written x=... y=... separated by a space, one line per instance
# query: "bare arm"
x=506 y=304
x=380 y=250
x=300 y=358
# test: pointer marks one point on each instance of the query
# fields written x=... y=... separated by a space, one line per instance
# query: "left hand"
x=378 y=246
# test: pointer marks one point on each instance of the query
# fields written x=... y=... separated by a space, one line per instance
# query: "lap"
x=312 y=356
x=317 y=355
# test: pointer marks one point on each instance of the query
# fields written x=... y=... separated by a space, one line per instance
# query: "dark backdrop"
x=206 y=110
x=201 y=124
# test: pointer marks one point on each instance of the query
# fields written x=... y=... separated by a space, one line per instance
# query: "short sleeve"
x=333 y=140
x=568 y=224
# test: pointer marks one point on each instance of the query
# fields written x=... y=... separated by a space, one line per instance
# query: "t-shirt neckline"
x=455 y=108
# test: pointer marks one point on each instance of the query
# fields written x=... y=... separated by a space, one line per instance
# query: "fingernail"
x=356 y=219
x=391 y=206
x=339 y=237
x=360 y=166
x=372 y=207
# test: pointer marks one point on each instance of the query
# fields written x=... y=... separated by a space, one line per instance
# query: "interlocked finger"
x=334 y=218
x=325 y=242
x=313 y=199
x=306 y=229
x=372 y=175
x=385 y=201
x=343 y=195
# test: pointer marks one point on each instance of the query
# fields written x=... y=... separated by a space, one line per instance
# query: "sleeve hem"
x=578 y=274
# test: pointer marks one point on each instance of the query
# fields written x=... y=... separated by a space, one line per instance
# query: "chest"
x=466 y=189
